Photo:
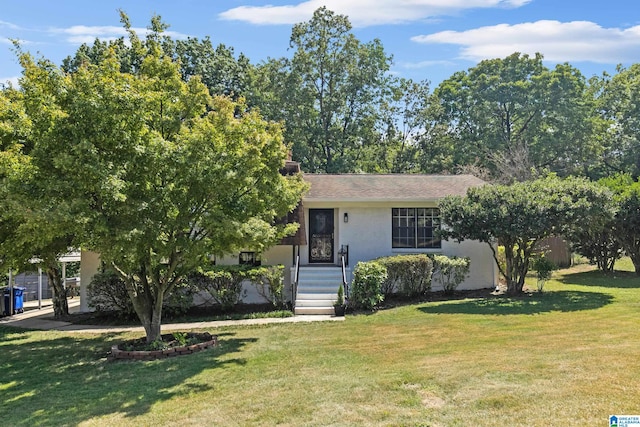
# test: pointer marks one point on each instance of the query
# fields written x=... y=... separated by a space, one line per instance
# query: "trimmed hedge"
x=223 y=283
x=408 y=275
x=450 y=271
x=269 y=281
x=367 y=281
x=107 y=293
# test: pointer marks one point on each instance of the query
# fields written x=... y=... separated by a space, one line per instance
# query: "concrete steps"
x=317 y=289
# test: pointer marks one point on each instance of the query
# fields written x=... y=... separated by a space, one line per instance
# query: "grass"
x=197 y=314
x=565 y=357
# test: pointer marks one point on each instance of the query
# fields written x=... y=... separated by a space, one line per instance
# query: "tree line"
x=343 y=112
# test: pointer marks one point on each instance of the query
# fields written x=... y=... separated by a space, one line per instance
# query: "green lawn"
x=567 y=357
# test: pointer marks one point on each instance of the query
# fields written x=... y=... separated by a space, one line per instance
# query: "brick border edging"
x=208 y=342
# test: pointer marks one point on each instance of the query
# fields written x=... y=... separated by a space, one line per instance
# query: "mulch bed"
x=194 y=314
x=171 y=347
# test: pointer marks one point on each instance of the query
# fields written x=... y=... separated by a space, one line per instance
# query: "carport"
x=67 y=258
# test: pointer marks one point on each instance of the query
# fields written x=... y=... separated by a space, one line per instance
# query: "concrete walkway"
x=42 y=319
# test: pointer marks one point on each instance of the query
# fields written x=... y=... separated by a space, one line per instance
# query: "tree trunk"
x=149 y=311
x=148 y=307
x=60 y=305
x=514 y=280
x=515 y=286
x=147 y=295
x=153 y=327
x=517 y=268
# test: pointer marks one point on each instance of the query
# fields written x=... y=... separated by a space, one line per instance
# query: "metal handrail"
x=345 y=285
x=294 y=283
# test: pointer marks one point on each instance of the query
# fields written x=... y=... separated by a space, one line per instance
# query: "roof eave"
x=370 y=200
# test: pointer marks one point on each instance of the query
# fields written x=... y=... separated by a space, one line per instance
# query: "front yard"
x=566 y=357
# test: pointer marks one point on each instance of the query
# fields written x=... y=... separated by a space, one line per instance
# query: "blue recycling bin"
x=18 y=300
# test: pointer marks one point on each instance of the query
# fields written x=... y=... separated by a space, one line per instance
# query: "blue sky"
x=429 y=39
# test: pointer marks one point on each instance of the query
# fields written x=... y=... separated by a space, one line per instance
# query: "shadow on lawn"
x=67 y=379
x=616 y=279
x=529 y=304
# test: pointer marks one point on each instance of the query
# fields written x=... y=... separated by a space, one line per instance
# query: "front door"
x=320 y=235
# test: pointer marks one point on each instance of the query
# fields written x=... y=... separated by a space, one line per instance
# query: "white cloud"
x=426 y=64
x=10 y=80
x=362 y=13
x=557 y=41
x=21 y=42
x=9 y=25
x=79 y=34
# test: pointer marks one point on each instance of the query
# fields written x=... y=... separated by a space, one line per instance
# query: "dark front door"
x=320 y=235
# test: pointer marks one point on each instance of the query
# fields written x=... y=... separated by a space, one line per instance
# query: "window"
x=415 y=228
x=249 y=258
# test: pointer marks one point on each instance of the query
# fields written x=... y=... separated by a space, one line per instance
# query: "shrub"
x=107 y=293
x=269 y=282
x=366 y=286
x=340 y=297
x=544 y=268
x=408 y=275
x=179 y=300
x=223 y=283
x=450 y=271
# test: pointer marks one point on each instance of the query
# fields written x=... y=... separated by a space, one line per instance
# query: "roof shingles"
x=379 y=188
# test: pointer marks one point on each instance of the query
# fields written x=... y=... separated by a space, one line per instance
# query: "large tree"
x=33 y=231
x=409 y=137
x=598 y=240
x=512 y=114
x=617 y=101
x=328 y=93
x=519 y=215
x=626 y=222
x=218 y=67
x=157 y=174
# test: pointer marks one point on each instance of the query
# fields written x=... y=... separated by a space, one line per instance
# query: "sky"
x=428 y=39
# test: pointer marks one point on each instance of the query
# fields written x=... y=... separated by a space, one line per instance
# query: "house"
x=361 y=217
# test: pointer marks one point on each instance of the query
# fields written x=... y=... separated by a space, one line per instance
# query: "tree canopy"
x=626 y=222
x=344 y=111
x=33 y=230
x=519 y=215
x=328 y=93
x=513 y=114
x=156 y=174
x=617 y=105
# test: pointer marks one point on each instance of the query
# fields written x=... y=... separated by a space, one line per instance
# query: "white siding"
x=368 y=234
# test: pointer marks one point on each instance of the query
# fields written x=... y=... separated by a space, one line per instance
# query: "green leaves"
x=512 y=114
x=519 y=215
x=327 y=94
x=145 y=168
x=625 y=224
x=619 y=110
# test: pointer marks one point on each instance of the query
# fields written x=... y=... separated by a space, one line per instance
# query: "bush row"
x=406 y=275
x=223 y=285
